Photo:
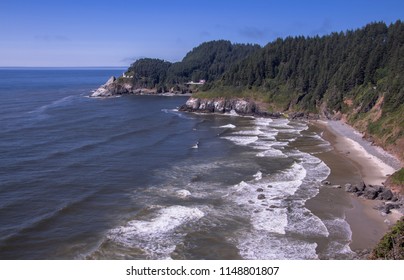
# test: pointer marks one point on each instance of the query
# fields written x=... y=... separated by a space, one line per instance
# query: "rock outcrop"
x=114 y=87
x=225 y=105
x=106 y=89
x=389 y=199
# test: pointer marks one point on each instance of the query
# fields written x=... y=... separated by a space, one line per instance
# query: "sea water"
x=133 y=178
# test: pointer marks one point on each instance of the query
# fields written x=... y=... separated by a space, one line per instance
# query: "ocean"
x=133 y=178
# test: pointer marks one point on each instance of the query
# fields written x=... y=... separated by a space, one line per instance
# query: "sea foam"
x=159 y=235
x=228 y=126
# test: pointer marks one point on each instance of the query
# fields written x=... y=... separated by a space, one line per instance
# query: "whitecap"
x=157 y=236
x=256 y=131
x=228 y=126
x=258 y=176
x=274 y=221
x=341 y=233
x=270 y=152
x=261 y=246
x=263 y=203
x=177 y=113
x=303 y=222
x=241 y=140
x=183 y=193
x=263 y=121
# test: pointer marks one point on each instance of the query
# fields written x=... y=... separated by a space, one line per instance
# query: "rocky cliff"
x=226 y=105
x=122 y=86
x=241 y=106
x=119 y=86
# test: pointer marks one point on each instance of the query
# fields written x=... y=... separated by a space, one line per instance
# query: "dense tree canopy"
x=148 y=72
x=208 y=62
x=331 y=66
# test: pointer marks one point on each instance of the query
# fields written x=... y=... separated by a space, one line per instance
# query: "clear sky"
x=115 y=33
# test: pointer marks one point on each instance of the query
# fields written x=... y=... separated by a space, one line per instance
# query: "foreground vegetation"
x=391 y=246
x=206 y=62
x=398 y=177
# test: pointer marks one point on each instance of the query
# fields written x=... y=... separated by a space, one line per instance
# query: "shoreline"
x=167 y=94
x=352 y=161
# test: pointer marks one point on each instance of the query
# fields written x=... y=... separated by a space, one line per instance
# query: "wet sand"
x=351 y=163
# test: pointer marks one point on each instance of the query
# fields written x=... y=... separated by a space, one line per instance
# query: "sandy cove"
x=374 y=163
x=354 y=160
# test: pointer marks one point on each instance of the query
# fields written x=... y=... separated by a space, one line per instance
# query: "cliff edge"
x=120 y=86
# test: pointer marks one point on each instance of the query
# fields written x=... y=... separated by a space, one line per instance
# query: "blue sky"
x=114 y=33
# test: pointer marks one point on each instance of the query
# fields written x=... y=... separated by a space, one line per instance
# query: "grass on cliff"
x=398 y=177
x=391 y=246
x=275 y=102
x=231 y=92
x=389 y=128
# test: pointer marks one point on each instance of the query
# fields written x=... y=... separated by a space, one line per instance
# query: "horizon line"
x=48 y=67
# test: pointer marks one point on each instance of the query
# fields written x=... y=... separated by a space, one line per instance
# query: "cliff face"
x=241 y=106
x=119 y=87
x=105 y=90
x=226 y=105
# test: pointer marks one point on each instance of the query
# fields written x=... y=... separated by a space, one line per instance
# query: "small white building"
x=201 y=82
x=126 y=76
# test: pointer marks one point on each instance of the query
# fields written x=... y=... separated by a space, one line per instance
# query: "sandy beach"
x=353 y=160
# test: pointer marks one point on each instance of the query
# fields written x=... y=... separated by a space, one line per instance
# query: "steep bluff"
x=240 y=106
x=226 y=105
x=119 y=87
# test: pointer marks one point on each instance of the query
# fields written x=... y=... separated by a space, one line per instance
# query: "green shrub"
x=391 y=246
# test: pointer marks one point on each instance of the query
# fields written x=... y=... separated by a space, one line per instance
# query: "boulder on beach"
x=386 y=194
x=371 y=192
x=361 y=186
x=350 y=188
